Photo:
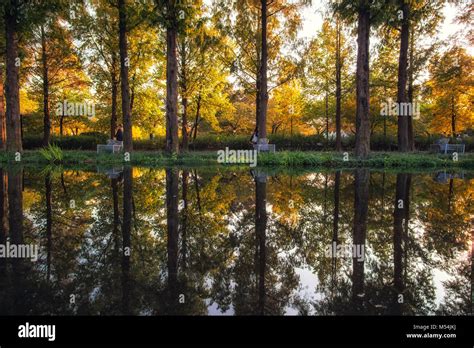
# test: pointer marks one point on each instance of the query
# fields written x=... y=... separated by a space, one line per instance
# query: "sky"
x=313 y=18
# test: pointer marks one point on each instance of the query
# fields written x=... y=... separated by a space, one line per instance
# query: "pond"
x=228 y=241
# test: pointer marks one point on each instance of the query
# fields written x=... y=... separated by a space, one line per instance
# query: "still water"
x=200 y=241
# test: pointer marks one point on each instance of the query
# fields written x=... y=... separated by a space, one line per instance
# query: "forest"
x=362 y=75
x=171 y=159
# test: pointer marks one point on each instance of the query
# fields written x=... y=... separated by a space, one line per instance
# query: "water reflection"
x=197 y=242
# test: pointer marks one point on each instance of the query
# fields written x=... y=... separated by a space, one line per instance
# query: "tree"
x=323 y=80
x=425 y=18
x=3 y=123
x=360 y=10
x=362 y=147
x=124 y=82
x=339 y=65
x=269 y=8
x=368 y=14
x=258 y=31
x=170 y=16
x=199 y=43
x=411 y=21
x=286 y=109
x=400 y=235
x=403 y=144
x=263 y=78
x=49 y=11
x=188 y=34
x=12 y=90
x=450 y=89
x=320 y=71
x=98 y=33
x=361 y=200
x=55 y=70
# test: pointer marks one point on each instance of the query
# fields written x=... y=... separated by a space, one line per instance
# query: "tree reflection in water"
x=197 y=242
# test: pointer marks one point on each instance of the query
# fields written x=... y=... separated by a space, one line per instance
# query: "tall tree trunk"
x=116 y=218
x=362 y=147
x=406 y=227
x=172 y=202
x=453 y=116
x=124 y=63
x=260 y=228
x=325 y=204
x=361 y=202
x=263 y=95
x=15 y=220
x=411 y=71
x=3 y=215
x=21 y=129
x=258 y=76
x=196 y=120
x=402 y=78
x=257 y=100
x=184 y=225
x=61 y=124
x=386 y=146
x=184 y=98
x=338 y=85
x=335 y=225
x=172 y=145
x=196 y=188
x=12 y=88
x=46 y=115
x=3 y=120
x=398 y=217
x=49 y=223
x=15 y=204
x=326 y=111
x=126 y=237
x=114 y=82
x=132 y=98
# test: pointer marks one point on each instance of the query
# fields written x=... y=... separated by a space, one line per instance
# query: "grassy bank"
x=209 y=142
x=279 y=159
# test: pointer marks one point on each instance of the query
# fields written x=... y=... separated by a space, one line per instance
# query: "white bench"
x=113 y=146
x=264 y=147
x=450 y=148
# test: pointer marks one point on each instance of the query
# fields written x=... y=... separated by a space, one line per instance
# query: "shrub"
x=80 y=142
x=52 y=154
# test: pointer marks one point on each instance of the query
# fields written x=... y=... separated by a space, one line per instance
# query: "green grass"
x=52 y=153
x=286 y=159
x=375 y=160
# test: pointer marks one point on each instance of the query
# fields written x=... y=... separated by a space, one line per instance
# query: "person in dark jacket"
x=119 y=134
x=254 y=137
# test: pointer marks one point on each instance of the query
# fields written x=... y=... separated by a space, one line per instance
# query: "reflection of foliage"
x=224 y=263
x=458 y=300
